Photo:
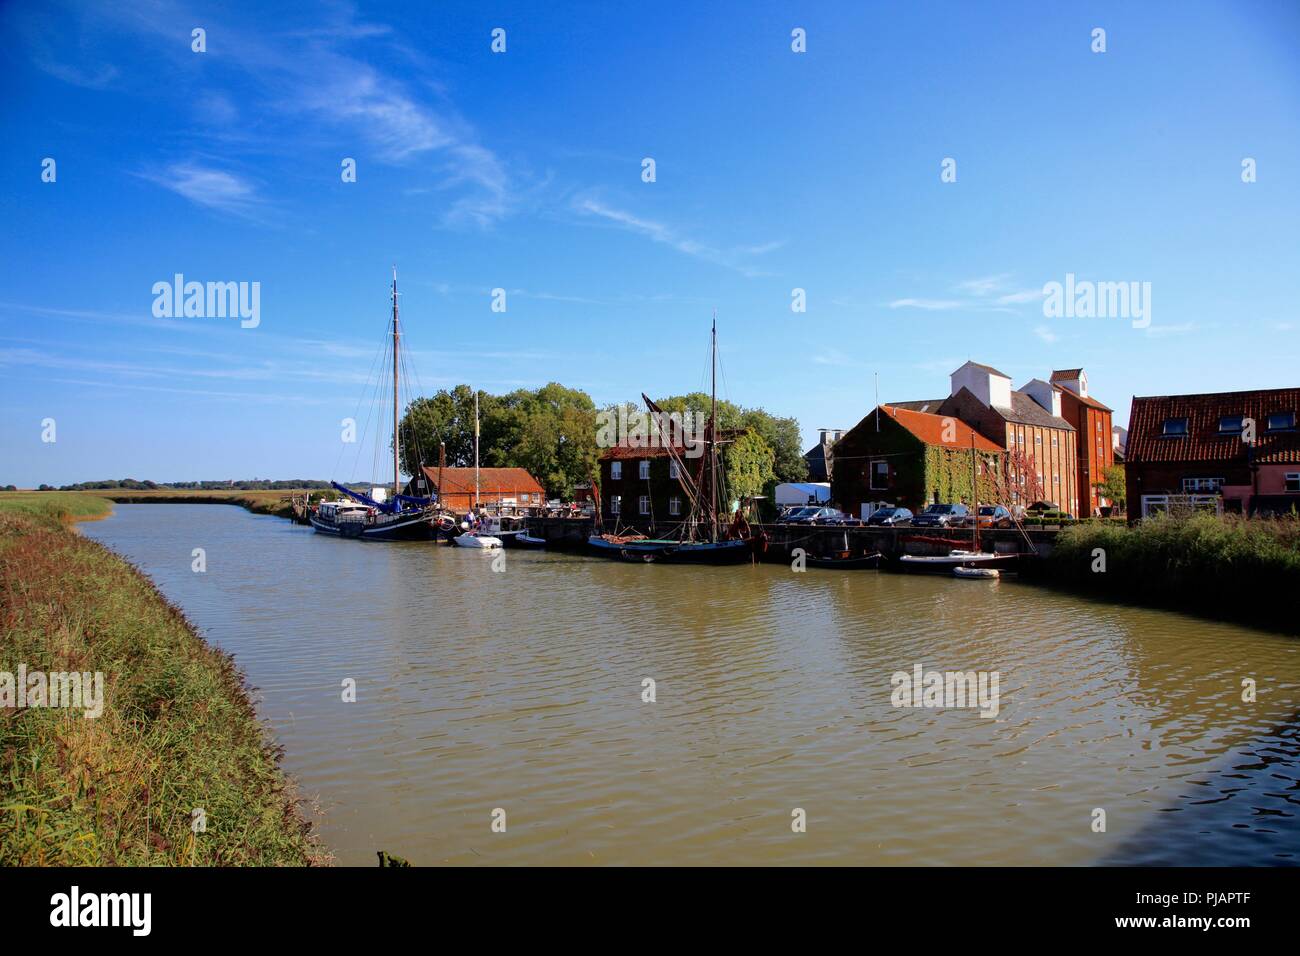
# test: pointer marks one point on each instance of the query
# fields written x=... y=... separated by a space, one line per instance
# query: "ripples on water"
x=522 y=690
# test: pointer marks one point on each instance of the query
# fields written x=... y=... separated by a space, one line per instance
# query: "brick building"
x=640 y=488
x=1094 y=438
x=499 y=487
x=910 y=459
x=1196 y=451
x=1026 y=422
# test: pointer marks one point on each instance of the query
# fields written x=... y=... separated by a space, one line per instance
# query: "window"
x=1192 y=485
x=879 y=474
x=1231 y=424
x=644 y=471
x=615 y=504
x=1038 y=439
x=616 y=471
x=1174 y=428
x=644 y=504
x=1054 y=441
x=1292 y=481
x=1056 y=479
x=1099 y=426
x=1281 y=422
x=674 y=505
x=672 y=470
x=1020 y=438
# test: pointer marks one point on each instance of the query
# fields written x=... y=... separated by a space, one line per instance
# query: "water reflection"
x=522 y=690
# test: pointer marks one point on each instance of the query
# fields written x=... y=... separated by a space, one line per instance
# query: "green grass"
x=178 y=731
x=1226 y=567
x=85 y=505
x=73 y=505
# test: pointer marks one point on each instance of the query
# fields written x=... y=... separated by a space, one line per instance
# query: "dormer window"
x=1174 y=428
x=1281 y=422
x=1231 y=424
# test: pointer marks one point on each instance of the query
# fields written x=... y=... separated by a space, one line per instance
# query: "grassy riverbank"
x=178 y=732
x=1223 y=567
x=72 y=505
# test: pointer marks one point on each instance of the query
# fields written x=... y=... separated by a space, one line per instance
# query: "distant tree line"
x=551 y=432
x=131 y=484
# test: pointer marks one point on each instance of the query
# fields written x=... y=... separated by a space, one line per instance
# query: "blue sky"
x=775 y=170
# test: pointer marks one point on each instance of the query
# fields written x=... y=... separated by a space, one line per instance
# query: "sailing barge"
x=397 y=517
x=704 y=537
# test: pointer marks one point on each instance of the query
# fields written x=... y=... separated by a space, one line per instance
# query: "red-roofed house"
x=910 y=458
x=496 y=486
x=1197 y=450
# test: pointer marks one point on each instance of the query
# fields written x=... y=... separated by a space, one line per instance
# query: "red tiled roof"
x=1203 y=441
x=930 y=429
x=1066 y=374
x=1085 y=399
x=491 y=481
x=624 y=453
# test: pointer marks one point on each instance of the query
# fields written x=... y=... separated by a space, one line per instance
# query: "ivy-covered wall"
x=948 y=472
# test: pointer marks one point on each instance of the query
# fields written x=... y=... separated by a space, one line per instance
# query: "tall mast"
x=397 y=475
x=713 y=433
x=476 y=483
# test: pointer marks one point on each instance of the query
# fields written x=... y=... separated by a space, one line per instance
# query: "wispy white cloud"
x=986 y=285
x=930 y=305
x=1046 y=334
x=320 y=80
x=1160 y=331
x=733 y=258
x=211 y=188
x=992 y=293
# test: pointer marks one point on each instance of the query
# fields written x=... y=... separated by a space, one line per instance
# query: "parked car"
x=807 y=515
x=889 y=517
x=1048 y=511
x=941 y=516
x=842 y=520
x=993 y=516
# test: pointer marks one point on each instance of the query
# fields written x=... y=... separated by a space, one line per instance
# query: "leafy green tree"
x=748 y=461
x=550 y=431
x=445 y=416
x=1113 y=486
x=780 y=434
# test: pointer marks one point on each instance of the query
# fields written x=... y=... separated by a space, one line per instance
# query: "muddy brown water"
x=521 y=690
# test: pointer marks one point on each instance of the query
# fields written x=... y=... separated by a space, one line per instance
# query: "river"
x=520 y=690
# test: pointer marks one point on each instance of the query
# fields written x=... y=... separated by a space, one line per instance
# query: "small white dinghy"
x=976 y=572
x=477 y=539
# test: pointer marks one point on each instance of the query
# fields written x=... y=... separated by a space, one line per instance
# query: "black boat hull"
x=416 y=528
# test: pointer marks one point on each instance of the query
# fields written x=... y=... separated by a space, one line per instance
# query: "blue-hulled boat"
x=395 y=517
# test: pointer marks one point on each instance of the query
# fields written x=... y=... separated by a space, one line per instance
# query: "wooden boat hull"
x=860 y=562
x=415 y=528
x=649 y=550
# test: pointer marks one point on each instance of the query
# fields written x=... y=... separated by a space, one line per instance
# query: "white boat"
x=953 y=559
x=979 y=573
x=477 y=539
